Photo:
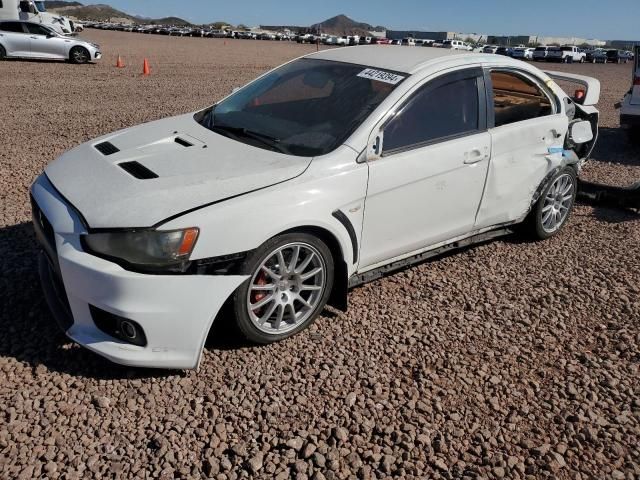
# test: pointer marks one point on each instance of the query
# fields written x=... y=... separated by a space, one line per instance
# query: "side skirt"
x=362 y=278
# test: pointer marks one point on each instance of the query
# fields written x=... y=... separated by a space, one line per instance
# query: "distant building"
x=624 y=44
x=435 y=36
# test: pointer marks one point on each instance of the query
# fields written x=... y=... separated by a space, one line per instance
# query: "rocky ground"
x=508 y=360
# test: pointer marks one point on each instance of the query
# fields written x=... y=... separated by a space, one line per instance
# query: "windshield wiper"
x=265 y=139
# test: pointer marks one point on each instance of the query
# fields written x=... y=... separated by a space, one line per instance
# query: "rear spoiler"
x=592 y=85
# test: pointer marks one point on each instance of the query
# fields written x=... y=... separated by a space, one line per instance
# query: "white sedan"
x=327 y=172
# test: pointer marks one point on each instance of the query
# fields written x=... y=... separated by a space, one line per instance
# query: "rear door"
x=44 y=44
x=527 y=128
x=14 y=39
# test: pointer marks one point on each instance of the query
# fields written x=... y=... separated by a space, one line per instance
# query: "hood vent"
x=137 y=170
x=106 y=148
x=183 y=142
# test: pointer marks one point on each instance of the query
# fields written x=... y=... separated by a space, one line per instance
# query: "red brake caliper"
x=256 y=296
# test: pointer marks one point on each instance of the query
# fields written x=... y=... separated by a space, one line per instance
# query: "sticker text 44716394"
x=381 y=76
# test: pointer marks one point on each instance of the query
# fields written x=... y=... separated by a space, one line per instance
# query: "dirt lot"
x=509 y=360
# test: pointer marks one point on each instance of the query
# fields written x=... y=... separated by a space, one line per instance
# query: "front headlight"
x=144 y=249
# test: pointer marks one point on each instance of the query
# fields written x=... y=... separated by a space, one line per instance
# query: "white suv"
x=566 y=54
x=457 y=45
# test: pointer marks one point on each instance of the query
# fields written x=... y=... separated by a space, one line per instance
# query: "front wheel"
x=79 y=55
x=552 y=209
x=3 y=53
x=291 y=277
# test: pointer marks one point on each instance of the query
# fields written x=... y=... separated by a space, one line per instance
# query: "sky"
x=612 y=20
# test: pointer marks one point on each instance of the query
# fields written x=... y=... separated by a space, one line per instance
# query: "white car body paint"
x=240 y=196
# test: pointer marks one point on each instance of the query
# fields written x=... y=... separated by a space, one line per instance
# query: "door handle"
x=35 y=38
x=473 y=156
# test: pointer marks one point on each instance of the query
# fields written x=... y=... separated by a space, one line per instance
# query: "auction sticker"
x=381 y=76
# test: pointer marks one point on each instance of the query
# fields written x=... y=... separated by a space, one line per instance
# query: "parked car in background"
x=618 y=56
x=566 y=54
x=523 y=53
x=540 y=53
x=409 y=42
x=596 y=55
x=490 y=49
x=506 y=51
x=20 y=39
x=323 y=160
x=630 y=109
x=457 y=45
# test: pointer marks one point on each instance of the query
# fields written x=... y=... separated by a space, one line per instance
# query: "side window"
x=516 y=98
x=36 y=29
x=15 y=27
x=436 y=113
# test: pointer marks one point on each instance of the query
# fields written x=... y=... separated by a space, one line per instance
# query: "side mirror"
x=374 y=148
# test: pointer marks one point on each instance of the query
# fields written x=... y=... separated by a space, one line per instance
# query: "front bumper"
x=175 y=311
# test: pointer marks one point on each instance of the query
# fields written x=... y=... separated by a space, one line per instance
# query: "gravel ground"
x=508 y=360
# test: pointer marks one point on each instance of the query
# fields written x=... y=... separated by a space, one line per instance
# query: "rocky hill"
x=106 y=13
x=343 y=25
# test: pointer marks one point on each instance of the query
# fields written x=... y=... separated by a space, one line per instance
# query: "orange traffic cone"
x=145 y=68
x=119 y=63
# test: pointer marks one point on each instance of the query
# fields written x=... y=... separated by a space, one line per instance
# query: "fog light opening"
x=128 y=330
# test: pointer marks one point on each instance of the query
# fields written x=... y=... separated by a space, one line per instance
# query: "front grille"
x=43 y=228
x=50 y=270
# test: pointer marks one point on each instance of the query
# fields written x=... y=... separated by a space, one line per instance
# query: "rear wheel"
x=552 y=209
x=3 y=53
x=79 y=55
x=291 y=277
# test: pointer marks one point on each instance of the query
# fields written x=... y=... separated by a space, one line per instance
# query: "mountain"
x=106 y=13
x=343 y=25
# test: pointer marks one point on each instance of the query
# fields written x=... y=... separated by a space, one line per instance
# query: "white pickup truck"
x=630 y=109
x=566 y=54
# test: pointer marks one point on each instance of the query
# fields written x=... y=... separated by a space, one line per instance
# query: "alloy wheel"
x=287 y=288
x=80 y=55
x=557 y=203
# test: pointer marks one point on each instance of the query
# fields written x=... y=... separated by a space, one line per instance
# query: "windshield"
x=41 y=6
x=308 y=107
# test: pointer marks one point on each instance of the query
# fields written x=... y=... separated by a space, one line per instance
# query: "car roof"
x=406 y=59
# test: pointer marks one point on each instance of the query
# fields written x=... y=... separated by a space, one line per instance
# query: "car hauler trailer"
x=34 y=11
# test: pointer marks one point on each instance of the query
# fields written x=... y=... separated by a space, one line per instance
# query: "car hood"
x=194 y=167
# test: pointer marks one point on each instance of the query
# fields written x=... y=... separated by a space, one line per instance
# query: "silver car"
x=34 y=40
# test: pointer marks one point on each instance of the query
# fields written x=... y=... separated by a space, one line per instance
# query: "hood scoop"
x=137 y=170
x=106 y=148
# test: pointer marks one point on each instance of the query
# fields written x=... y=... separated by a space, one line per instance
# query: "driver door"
x=427 y=184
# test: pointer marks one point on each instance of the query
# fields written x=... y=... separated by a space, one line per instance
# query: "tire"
x=563 y=185
x=79 y=55
x=295 y=302
x=581 y=59
x=3 y=53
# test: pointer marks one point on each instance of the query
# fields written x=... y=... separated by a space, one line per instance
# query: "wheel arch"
x=339 y=290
